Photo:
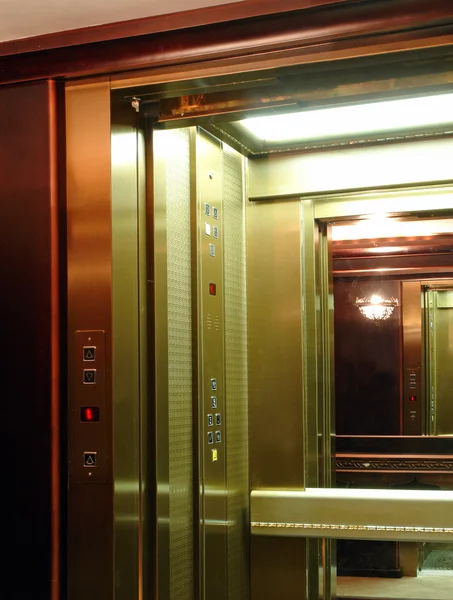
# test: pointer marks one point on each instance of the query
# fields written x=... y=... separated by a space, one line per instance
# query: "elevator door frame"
x=284 y=513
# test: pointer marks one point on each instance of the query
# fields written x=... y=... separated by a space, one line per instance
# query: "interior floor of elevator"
x=438 y=586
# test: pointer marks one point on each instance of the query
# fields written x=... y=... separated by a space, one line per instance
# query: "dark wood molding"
x=160 y=23
x=30 y=211
x=345 y=24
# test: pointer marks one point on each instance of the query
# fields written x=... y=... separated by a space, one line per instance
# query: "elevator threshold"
x=423 y=587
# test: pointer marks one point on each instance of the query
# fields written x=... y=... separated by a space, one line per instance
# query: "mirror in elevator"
x=419 y=571
x=393 y=345
x=393 y=327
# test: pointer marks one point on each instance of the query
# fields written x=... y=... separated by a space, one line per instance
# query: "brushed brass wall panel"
x=350 y=169
x=211 y=364
x=276 y=416
x=274 y=341
x=278 y=570
x=174 y=366
x=90 y=505
x=440 y=374
x=236 y=382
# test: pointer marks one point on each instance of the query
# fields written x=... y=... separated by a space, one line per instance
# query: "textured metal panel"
x=180 y=370
x=236 y=381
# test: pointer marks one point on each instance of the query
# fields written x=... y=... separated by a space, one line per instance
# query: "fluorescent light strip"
x=342 y=121
x=381 y=227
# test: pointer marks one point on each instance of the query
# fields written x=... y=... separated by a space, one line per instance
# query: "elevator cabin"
x=260 y=325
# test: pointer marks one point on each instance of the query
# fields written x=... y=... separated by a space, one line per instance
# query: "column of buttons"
x=89 y=414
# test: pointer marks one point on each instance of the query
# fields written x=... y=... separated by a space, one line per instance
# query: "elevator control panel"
x=211 y=357
x=214 y=419
x=88 y=454
x=412 y=407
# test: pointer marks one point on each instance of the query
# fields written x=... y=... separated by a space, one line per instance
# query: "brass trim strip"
x=426 y=465
x=330 y=527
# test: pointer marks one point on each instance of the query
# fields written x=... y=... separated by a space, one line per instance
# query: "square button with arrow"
x=90 y=459
x=89 y=376
x=89 y=353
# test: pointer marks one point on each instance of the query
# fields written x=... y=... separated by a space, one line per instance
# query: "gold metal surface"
x=439 y=356
x=157 y=289
x=90 y=505
x=311 y=356
x=128 y=319
x=354 y=514
x=350 y=169
x=413 y=413
x=276 y=418
x=409 y=558
x=236 y=383
x=211 y=364
x=146 y=542
x=171 y=287
x=430 y=200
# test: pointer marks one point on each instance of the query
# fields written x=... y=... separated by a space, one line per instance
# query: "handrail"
x=400 y=515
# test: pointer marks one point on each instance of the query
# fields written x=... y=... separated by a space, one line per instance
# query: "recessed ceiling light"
x=342 y=121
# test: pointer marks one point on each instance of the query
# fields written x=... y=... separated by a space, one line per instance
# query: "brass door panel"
x=129 y=358
x=439 y=309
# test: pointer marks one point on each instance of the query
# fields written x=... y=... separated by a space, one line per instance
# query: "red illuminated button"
x=412 y=398
x=212 y=289
x=89 y=414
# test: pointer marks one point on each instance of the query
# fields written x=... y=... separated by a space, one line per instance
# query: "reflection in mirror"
x=391 y=570
x=393 y=332
x=393 y=315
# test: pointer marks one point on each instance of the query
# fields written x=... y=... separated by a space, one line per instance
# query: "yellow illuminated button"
x=214 y=455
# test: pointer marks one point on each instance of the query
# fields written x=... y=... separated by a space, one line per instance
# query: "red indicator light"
x=212 y=289
x=89 y=414
x=412 y=398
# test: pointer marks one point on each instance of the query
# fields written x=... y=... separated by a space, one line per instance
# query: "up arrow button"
x=89 y=353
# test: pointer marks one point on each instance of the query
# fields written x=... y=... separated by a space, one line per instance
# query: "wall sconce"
x=376 y=308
